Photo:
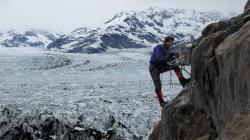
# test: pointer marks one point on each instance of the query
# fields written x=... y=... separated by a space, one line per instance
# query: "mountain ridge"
x=136 y=29
x=127 y=29
x=28 y=38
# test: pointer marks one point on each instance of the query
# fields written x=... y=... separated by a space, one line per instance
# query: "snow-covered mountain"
x=136 y=30
x=29 y=38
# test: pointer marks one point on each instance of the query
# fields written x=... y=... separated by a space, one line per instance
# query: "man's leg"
x=180 y=76
x=155 y=74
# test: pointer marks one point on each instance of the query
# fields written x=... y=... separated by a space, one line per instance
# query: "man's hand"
x=173 y=60
x=177 y=61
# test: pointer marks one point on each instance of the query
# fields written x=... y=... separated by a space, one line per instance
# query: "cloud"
x=66 y=15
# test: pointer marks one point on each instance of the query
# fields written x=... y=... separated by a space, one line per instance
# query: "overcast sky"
x=66 y=15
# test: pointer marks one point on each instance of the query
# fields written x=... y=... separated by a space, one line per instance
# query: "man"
x=159 y=63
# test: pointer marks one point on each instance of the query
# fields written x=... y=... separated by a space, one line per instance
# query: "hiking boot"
x=160 y=97
x=163 y=104
x=184 y=81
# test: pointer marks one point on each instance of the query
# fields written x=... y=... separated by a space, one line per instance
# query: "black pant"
x=156 y=69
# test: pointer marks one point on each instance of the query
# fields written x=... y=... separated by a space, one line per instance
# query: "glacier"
x=94 y=87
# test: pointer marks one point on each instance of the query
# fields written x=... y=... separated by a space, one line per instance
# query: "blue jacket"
x=160 y=55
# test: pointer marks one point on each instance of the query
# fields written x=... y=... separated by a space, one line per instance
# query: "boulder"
x=181 y=120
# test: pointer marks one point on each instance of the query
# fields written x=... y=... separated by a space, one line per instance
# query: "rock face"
x=183 y=121
x=247 y=5
x=216 y=105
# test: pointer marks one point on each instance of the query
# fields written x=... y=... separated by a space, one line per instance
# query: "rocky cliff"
x=216 y=104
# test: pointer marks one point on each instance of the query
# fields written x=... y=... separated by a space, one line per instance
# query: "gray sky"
x=66 y=15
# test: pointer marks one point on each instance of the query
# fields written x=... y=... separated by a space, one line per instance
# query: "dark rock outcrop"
x=183 y=121
x=216 y=104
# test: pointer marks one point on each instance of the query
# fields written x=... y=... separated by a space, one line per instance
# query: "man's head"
x=168 y=41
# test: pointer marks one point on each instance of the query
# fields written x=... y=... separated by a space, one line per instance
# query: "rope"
x=160 y=75
x=183 y=68
x=178 y=61
x=171 y=84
